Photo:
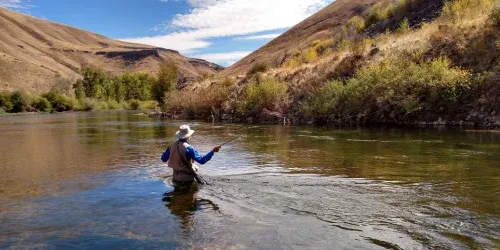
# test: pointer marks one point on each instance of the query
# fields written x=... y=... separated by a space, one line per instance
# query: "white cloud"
x=225 y=59
x=182 y=42
x=225 y=18
x=259 y=37
x=16 y=4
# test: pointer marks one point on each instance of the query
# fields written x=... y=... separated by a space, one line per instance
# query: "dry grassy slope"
x=319 y=26
x=34 y=51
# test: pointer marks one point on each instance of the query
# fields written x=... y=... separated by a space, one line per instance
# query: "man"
x=181 y=157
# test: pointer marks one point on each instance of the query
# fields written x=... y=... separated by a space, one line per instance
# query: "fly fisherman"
x=181 y=157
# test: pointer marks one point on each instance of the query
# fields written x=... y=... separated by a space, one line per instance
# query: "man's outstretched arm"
x=192 y=153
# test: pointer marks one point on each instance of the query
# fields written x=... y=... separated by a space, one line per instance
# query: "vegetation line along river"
x=95 y=180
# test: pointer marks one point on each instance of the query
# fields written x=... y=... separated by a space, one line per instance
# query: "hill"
x=415 y=62
x=320 y=26
x=34 y=53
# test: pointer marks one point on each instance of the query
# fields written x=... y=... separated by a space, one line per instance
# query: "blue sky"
x=221 y=31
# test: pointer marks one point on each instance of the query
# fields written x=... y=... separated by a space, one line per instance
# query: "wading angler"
x=182 y=158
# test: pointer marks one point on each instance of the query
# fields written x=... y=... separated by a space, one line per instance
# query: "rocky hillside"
x=34 y=53
x=385 y=62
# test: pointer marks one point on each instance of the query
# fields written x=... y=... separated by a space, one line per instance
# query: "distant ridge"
x=35 y=52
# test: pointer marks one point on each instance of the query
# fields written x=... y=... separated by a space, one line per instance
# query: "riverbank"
x=476 y=121
x=19 y=102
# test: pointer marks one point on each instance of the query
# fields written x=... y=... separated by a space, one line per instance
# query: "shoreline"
x=473 y=126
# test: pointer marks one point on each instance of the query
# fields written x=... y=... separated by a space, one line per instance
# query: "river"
x=95 y=180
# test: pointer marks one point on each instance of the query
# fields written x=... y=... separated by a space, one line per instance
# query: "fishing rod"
x=237 y=137
x=230 y=140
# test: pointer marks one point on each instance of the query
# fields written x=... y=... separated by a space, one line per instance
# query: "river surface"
x=95 y=180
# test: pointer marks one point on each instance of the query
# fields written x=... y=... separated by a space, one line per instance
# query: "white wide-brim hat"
x=184 y=132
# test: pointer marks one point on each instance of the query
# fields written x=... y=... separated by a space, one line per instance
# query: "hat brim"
x=180 y=135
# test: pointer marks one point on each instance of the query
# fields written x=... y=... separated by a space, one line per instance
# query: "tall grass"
x=200 y=103
x=267 y=93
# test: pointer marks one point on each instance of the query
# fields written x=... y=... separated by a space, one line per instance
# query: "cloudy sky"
x=221 y=31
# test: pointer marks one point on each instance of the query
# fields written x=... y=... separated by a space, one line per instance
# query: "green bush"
x=395 y=89
x=149 y=105
x=5 y=102
x=324 y=100
x=114 y=105
x=42 y=104
x=268 y=93
x=404 y=26
x=88 y=104
x=378 y=12
x=459 y=10
x=2 y=111
x=258 y=68
x=357 y=23
x=59 y=101
x=135 y=104
x=20 y=101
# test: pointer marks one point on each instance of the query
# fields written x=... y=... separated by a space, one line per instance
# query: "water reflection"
x=99 y=174
x=182 y=203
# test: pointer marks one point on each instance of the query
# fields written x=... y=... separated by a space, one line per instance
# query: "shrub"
x=324 y=100
x=321 y=47
x=292 y=62
x=358 y=47
x=5 y=102
x=357 y=23
x=102 y=105
x=114 y=105
x=89 y=104
x=42 y=104
x=459 y=10
x=378 y=12
x=2 y=111
x=20 y=101
x=404 y=26
x=200 y=103
x=310 y=55
x=258 y=68
x=149 y=104
x=395 y=89
x=135 y=104
x=344 y=45
x=59 y=101
x=268 y=94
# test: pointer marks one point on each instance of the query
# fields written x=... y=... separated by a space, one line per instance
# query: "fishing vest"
x=178 y=150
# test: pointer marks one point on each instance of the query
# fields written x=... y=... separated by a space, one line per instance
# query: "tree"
x=119 y=89
x=79 y=89
x=146 y=84
x=166 y=82
x=5 y=102
x=20 y=101
x=131 y=84
x=93 y=82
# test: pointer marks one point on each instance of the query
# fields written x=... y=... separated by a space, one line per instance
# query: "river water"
x=94 y=180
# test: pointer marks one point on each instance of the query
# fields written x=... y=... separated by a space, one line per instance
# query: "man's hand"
x=216 y=149
x=196 y=168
